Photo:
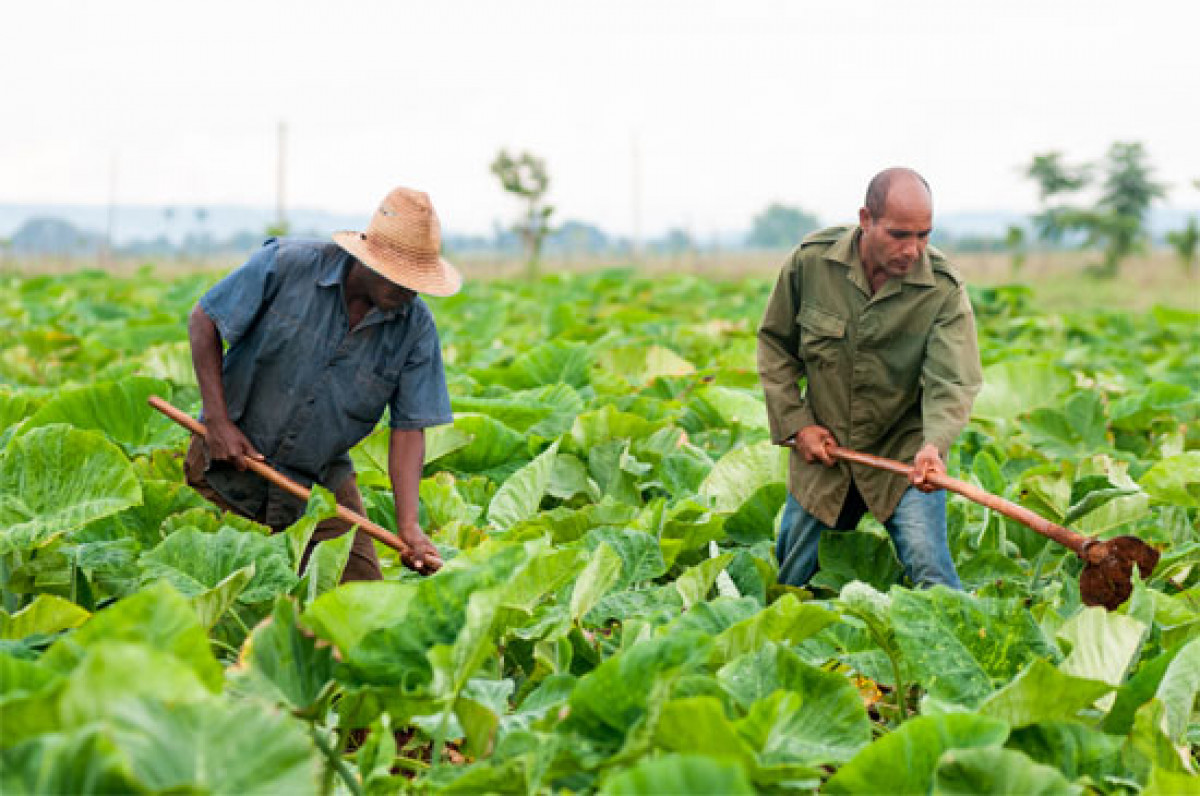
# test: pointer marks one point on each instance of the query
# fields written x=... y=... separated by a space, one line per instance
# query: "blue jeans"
x=917 y=528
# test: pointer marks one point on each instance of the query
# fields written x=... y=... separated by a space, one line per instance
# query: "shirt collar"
x=334 y=275
x=334 y=272
x=846 y=251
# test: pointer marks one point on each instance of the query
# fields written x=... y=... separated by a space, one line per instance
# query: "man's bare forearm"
x=207 y=358
x=406 y=458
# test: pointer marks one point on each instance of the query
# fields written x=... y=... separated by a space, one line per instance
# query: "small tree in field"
x=526 y=177
x=1014 y=244
x=1116 y=222
x=1185 y=243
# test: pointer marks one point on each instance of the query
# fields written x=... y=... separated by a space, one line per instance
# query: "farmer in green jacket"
x=878 y=326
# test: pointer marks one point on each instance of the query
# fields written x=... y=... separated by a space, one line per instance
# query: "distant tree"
x=577 y=236
x=1185 y=243
x=525 y=176
x=1054 y=178
x=1116 y=222
x=676 y=241
x=780 y=227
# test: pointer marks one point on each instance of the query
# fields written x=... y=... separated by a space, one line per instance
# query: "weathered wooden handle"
x=1074 y=541
x=283 y=482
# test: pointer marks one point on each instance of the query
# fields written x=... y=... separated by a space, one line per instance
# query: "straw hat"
x=402 y=243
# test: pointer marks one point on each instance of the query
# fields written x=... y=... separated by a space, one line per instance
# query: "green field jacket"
x=885 y=373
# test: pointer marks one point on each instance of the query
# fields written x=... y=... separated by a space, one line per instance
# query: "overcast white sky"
x=731 y=104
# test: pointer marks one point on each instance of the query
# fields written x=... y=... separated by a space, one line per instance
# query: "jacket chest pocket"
x=821 y=336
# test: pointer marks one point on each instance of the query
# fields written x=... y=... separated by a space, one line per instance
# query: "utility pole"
x=281 y=171
x=636 y=199
x=111 y=221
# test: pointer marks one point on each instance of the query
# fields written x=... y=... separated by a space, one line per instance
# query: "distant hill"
x=175 y=223
x=138 y=227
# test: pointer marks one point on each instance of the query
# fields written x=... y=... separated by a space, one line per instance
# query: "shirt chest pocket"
x=371 y=393
x=376 y=378
x=821 y=336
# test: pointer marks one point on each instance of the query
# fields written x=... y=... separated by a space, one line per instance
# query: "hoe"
x=283 y=482
x=1108 y=565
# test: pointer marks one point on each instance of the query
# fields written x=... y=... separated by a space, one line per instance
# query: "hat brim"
x=434 y=277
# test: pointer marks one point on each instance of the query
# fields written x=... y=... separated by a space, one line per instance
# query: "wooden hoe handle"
x=1063 y=536
x=283 y=482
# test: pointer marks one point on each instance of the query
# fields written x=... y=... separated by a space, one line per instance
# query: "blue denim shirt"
x=302 y=385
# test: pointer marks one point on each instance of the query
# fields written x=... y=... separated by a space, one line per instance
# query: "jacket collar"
x=846 y=251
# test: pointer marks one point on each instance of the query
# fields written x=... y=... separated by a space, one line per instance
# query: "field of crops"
x=608 y=619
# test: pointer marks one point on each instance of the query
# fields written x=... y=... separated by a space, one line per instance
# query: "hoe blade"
x=1105 y=579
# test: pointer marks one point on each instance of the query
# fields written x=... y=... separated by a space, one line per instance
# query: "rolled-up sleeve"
x=780 y=367
x=235 y=301
x=422 y=399
x=952 y=373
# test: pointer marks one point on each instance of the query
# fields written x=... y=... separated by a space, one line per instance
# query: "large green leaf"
x=211 y=604
x=1075 y=749
x=786 y=620
x=617 y=694
x=998 y=771
x=1178 y=689
x=1155 y=401
x=493 y=445
x=607 y=424
x=1042 y=693
x=1175 y=480
x=640 y=553
x=102 y=681
x=1103 y=645
x=46 y=615
x=116 y=409
x=1018 y=385
x=326 y=566
x=437 y=614
x=754 y=520
x=550 y=363
x=144 y=523
x=194 y=562
x=215 y=746
x=856 y=555
x=520 y=495
x=905 y=761
x=56 y=479
x=601 y=574
x=641 y=364
x=962 y=648
x=798 y=714
x=698 y=725
x=82 y=762
x=743 y=471
x=691 y=774
x=284 y=663
x=722 y=407
x=1078 y=428
x=157 y=616
x=347 y=614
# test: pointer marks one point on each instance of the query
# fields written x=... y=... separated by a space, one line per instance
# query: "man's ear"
x=864 y=217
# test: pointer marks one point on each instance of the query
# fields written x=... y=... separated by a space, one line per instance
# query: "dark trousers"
x=363 y=563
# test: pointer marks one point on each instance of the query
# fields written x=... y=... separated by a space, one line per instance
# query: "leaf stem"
x=334 y=762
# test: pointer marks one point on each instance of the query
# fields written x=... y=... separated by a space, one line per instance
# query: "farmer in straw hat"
x=321 y=337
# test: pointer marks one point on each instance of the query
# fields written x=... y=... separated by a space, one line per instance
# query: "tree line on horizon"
x=1099 y=206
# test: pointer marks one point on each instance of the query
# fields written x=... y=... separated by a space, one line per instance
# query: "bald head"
x=896 y=222
x=909 y=185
